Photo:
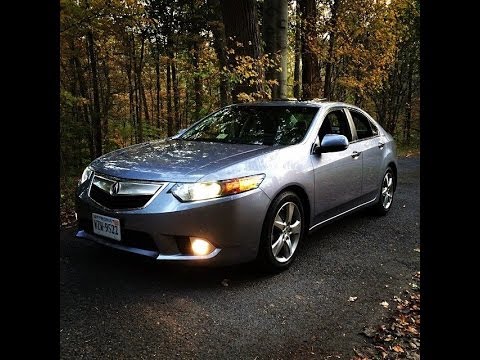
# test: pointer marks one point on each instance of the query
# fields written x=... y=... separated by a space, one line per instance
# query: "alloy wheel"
x=286 y=231
x=387 y=190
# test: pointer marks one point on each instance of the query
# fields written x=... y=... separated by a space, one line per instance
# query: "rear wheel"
x=283 y=229
x=385 y=200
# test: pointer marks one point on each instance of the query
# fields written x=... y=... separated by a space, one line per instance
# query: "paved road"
x=118 y=306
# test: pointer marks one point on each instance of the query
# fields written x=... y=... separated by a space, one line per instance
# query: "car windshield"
x=254 y=125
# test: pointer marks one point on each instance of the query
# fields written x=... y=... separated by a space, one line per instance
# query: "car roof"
x=308 y=103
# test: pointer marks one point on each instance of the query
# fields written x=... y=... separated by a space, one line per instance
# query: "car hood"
x=173 y=160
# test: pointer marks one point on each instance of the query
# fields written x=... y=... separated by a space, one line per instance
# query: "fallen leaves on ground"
x=67 y=216
x=398 y=349
x=399 y=337
x=68 y=187
x=384 y=304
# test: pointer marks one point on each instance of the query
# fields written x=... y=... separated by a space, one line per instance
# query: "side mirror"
x=331 y=143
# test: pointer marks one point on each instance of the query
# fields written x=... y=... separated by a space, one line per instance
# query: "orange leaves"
x=248 y=70
x=400 y=337
x=398 y=349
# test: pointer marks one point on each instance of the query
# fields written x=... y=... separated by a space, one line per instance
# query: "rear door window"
x=364 y=127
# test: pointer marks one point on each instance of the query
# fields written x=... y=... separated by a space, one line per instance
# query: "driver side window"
x=335 y=123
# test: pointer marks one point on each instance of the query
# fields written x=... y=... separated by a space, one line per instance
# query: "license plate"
x=106 y=226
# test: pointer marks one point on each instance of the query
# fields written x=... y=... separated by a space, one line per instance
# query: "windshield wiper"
x=206 y=140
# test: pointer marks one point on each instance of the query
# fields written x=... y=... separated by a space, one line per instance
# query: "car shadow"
x=89 y=267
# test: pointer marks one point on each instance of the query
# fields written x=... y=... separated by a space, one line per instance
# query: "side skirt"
x=343 y=213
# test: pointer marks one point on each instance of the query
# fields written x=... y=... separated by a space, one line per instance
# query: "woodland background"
x=136 y=70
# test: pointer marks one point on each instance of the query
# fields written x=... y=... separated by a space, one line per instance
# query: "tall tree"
x=96 y=119
x=311 y=81
x=219 y=43
x=169 y=99
x=242 y=33
x=196 y=79
x=331 y=45
x=158 y=85
x=298 y=52
x=131 y=70
x=96 y=116
x=275 y=30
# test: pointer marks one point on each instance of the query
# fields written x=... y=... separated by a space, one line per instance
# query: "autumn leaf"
x=412 y=330
x=398 y=349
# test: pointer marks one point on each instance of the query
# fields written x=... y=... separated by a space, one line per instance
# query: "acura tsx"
x=246 y=182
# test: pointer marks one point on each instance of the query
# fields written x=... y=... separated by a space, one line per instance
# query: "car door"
x=338 y=175
x=370 y=145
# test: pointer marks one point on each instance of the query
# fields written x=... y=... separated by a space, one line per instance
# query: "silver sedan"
x=245 y=183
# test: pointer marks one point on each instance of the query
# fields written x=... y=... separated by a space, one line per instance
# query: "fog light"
x=200 y=246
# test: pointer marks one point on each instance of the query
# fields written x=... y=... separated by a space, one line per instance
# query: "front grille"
x=119 y=201
x=131 y=238
x=118 y=194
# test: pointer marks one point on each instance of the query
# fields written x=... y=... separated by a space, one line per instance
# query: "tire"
x=279 y=240
x=386 y=194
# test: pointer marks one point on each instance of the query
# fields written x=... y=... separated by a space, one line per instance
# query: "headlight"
x=210 y=190
x=85 y=175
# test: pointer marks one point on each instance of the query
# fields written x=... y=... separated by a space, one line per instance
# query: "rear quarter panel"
x=390 y=152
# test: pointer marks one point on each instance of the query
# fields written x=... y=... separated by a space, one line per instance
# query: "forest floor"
x=348 y=295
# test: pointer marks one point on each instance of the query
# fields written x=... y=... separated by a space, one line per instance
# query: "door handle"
x=381 y=145
x=356 y=154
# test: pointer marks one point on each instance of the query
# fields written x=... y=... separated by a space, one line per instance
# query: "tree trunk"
x=152 y=105
x=158 y=87
x=197 y=80
x=169 y=99
x=138 y=67
x=270 y=34
x=130 y=91
x=176 y=95
x=327 y=91
x=86 y=111
x=282 y=29
x=275 y=28
x=298 y=51
x=75 y=112
x=134 y=84
x=408 y=115
x=219 y=43
x=187 y=122
x=310 y=64
x=241 y=25
x=107 y=98
x=96 y=119
x=145 y=104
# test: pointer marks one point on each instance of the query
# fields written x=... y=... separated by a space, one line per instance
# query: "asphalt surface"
x=115 y=305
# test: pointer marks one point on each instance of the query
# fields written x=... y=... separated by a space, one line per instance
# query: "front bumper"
x=232 y=224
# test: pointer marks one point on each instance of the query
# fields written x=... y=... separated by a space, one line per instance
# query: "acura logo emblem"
x=115 y=188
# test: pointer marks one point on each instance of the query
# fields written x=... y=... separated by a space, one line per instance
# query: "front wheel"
x=384 y=203
x=283 y=229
